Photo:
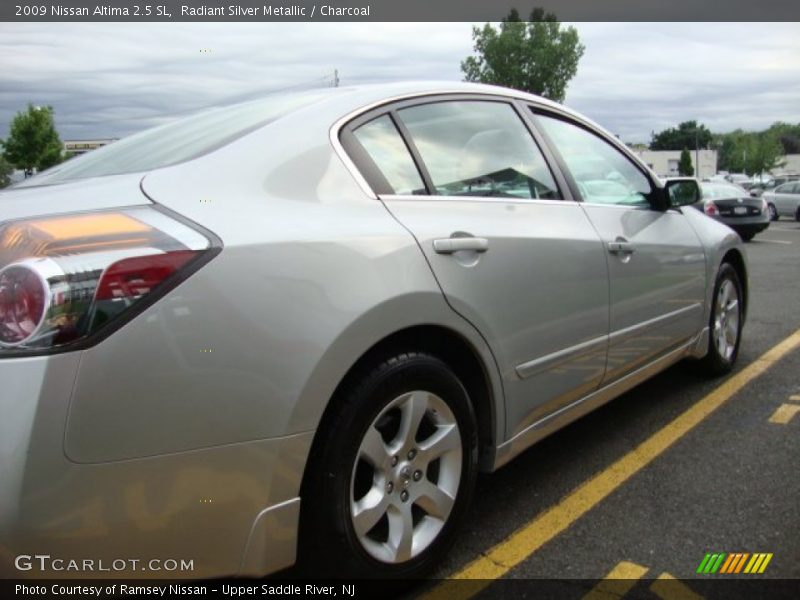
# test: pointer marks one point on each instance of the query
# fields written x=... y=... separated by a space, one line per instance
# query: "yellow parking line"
x=784 y=413
x=618 y=582
x=667 y=587
x=525 y=541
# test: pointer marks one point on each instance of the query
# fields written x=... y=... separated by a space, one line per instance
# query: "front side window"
x=603 y=174
x=478 y=148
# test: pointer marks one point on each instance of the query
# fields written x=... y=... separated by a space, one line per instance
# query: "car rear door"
x=466 y=177
x=655 y=259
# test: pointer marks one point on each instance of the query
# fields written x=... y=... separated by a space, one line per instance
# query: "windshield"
x=177 y=141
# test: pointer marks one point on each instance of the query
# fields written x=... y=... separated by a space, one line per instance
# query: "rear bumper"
x=749 y=227
x=217 y=511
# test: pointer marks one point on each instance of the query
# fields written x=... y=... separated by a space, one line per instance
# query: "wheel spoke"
x=369 y=510
x=412 y=410
x=722 y=344
x=730 y=331
x=373 y=449
x=445 y=439
x=434 y=500
x=401 y=532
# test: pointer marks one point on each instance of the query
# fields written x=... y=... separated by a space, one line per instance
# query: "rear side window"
x=386 y=148
x=603 y=174
x=476 y=148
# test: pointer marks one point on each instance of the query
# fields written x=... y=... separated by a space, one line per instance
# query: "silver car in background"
x=300 y=326
x=784 y=201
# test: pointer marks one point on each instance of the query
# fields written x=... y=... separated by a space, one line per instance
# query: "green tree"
x=752 y=153
x=685 y=167
x=536 y=56
x=763 y=153
x=787 y=135
x=5 y=172
x=688 y=135
x=33 y=141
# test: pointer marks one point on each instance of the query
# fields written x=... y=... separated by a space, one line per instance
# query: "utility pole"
x=696 y=155
x=336 y=78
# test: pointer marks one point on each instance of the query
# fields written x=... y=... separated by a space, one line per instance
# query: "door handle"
x=621 y=247
x=451 y=245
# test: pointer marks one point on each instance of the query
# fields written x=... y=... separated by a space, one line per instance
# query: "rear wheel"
x=726 y=322
x=747 y=236
x=394 y=473
x=797 y=214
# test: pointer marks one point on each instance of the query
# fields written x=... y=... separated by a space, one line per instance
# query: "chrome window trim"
x=492 y=199
x=342 y=122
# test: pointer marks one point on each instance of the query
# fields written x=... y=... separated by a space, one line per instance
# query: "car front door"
x=655 y=259
x=787 y=198
x=522 y=264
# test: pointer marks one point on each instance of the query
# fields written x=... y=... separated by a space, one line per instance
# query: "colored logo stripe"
x=734 y=562
x=711 y=563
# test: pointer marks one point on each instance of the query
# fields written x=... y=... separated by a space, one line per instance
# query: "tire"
x=384 y=499
x=773 y=212
x=797 y=214
x=747 y=236
x=723 y=349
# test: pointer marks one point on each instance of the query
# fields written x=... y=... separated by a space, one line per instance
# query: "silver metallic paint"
x=118 y=448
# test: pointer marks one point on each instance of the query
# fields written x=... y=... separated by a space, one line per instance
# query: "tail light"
x=67 y=280
x=710 y=209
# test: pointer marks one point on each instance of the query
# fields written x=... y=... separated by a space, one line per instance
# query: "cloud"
x=112 y=79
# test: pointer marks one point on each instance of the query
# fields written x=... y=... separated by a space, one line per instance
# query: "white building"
x=790 y=166
x=77 y=147
x=665 y=162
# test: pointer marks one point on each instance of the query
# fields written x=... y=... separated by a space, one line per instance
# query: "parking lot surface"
x=729 y=484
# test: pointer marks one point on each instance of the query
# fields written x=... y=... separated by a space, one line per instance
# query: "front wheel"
x=727 y=319
x=394 y=473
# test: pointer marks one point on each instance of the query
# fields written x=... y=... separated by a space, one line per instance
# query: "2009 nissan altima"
x=301 y=326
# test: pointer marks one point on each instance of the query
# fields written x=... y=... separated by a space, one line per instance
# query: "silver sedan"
x=298 y=328
x=784 y=201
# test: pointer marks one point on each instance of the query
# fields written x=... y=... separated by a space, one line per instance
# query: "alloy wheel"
x=406 y=477
x=726 y=321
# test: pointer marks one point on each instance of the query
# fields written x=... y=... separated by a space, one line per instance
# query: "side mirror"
x=682 y=192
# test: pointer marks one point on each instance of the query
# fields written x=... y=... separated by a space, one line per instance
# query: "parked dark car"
x=732 y=205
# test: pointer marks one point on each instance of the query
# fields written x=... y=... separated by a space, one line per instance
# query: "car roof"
x=359 y=98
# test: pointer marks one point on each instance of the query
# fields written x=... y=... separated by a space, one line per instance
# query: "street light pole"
x=696 y=154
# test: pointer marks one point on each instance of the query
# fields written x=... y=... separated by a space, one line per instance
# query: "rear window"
x=177 y=141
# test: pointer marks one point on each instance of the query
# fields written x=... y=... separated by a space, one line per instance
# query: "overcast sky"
x=112 y=79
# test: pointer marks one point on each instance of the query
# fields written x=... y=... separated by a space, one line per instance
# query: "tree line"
x=32 y=145
x=739 y=151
